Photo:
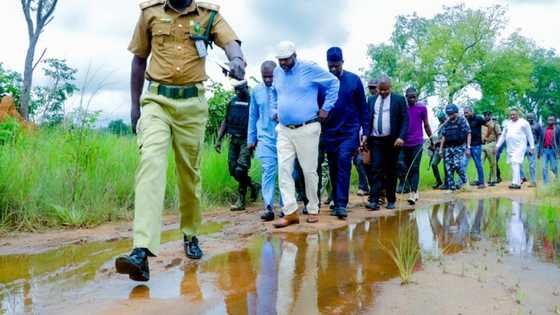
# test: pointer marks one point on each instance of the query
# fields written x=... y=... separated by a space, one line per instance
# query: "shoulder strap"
x=147 y=4
x=208 y=6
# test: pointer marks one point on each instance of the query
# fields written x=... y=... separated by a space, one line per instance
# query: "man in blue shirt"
x=262 y=136
x=341 y=131
x=296 y=86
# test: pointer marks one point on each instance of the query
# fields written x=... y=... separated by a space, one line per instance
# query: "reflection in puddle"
x=330 y=272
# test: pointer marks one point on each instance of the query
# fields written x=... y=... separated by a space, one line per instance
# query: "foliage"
x=458 y=51
x=10 y=83
x=405 y=253
x=119 y=127
x=9 y=130
x=47 y=105
x=76 y=176
x=217 y=106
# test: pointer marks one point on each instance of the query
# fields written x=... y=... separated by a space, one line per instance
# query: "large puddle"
x=330 y=272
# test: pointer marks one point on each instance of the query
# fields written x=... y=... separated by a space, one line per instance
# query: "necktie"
x=380 y=117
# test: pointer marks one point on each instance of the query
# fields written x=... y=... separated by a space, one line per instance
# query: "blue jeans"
x=269 y=173
x=549 y=159
x=476 y=154
x=362 y=172
x=532 y=158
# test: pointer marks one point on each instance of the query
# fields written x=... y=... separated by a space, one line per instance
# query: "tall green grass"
x=79 y=177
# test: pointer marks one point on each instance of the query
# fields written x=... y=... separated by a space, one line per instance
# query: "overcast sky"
x=97 y=33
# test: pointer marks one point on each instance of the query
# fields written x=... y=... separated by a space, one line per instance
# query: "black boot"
x=191 y=247
x=134 y=265
x=239 y=204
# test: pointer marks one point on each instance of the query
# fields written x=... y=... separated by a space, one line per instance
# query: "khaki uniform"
x=165 y=34
x=489 y=147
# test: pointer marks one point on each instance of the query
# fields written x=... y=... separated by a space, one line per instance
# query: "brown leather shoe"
x=313 y=218
x=287 y=220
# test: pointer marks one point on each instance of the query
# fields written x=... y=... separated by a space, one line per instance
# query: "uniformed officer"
x=235 y=125
x=173 y=111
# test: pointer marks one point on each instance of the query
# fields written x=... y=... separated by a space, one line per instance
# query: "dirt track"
x=488 y=283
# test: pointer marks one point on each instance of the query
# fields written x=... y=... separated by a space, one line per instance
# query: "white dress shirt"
x=385 y=117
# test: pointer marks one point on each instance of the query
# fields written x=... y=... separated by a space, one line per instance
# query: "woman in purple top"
x=412 y=148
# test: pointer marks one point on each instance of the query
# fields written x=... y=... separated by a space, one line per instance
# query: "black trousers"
x=384 y=163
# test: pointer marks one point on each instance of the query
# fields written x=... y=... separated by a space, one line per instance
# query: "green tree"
x=506 y=76
x=442 y=55
x=10 y=83
x=119 y=127
x=544 y=98
x=47 y=105
x=217 y=106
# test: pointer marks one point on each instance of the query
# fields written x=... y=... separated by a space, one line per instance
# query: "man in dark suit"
x=389 y=125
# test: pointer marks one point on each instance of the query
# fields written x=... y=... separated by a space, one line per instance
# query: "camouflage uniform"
x=454 y=158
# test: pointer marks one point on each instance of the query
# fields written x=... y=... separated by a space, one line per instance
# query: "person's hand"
x=134 y=117
x=237 y=68
x=251 y=147
x=323 y=115
x=218 y=147
x=399 y=142
x=468 y=153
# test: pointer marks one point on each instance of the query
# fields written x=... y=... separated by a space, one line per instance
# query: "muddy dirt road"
x=478 y=256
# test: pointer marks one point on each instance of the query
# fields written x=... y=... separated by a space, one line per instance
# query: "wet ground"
x=338 y=271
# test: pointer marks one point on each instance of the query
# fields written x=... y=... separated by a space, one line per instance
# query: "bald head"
x=267 y=72
x=384 y=86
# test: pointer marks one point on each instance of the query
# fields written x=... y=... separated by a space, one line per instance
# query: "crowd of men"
x=300 y=116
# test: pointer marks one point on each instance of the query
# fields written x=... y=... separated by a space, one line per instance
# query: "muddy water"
x=331 y=272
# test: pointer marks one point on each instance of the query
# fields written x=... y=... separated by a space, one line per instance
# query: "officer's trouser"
x=164 y=122
x=239 y=163
x=488 y=151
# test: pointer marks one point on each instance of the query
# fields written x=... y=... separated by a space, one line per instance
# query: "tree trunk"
x=28 y=78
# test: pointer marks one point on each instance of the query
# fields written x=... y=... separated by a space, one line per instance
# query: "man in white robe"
x=517 y=134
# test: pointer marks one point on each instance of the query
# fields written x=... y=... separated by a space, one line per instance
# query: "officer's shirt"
x=166 y=34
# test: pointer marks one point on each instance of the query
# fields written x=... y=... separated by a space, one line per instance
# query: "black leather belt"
x=304 y=124
x=173 y=91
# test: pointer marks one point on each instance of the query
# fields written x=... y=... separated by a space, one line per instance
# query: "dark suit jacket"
x=399 y=115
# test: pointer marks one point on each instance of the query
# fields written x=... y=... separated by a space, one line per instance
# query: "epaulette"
x=208 y=6
x=146 y=4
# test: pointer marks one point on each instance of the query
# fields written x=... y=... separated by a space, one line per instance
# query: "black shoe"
x=513 y=186
x=437 y=185
x=499 y=180
x=281 y=214
x=491 y=184
x=475 y=183
x=443 y=187
x=341 y=213
x=191 y=248
x=268 y=216
x=391 y=205
x=304 y=211
x=373 y=206
x=134 y=265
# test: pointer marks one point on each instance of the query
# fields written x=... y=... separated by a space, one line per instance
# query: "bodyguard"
x=239 y=156
x=341 y=131
x=172 y=112
x=456 y=139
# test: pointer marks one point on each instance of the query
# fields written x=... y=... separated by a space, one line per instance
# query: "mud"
x=469 y=247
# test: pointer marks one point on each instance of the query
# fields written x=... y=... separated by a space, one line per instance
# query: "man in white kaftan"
x=517 y=134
